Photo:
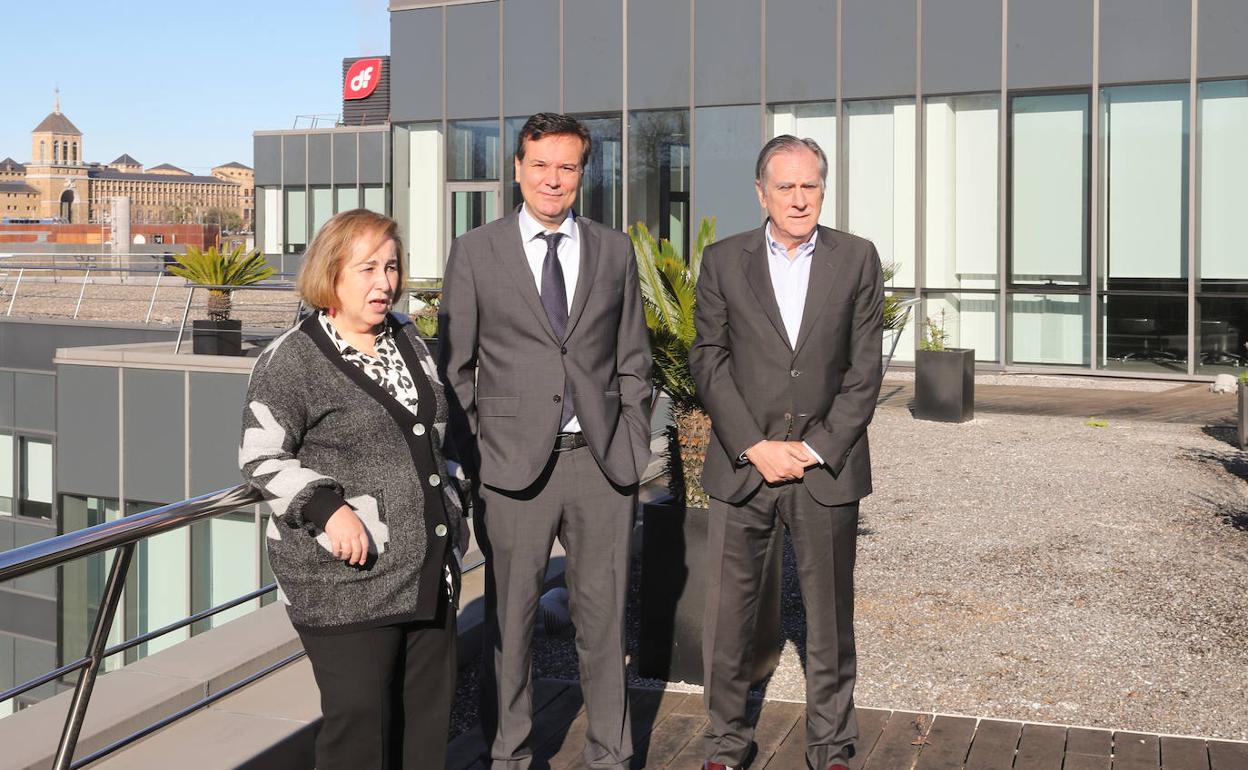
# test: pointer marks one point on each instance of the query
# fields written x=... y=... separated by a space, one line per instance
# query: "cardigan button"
x=440 y=530
x=435 y=480
x=418 y=429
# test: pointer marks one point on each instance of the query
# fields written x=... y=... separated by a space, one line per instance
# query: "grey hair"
x=789 y=143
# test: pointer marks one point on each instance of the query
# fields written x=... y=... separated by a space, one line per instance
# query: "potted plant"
x=1243 y=410
x=424 y=312
x=220 y=272
x=944 y=377
x=674 y=532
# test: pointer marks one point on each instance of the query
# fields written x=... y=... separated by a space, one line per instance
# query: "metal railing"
x=124 y=535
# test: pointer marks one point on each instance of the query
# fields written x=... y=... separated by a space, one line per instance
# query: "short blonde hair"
x=336 y=243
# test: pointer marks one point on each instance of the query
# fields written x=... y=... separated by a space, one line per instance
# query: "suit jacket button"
x=794 y=372
x=557 y=399
x=435 y=480
x=563 y=351
x=788 y=416
x=418 y=429
x=440 y=530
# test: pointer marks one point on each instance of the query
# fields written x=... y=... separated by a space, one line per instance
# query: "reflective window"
x=1049 y=329
x=473 y=150
x=817 y=121
x=418 y=191
x=601 y=196
x=1222 y=333
x=1144 y=332
x=6 y=474
x=880 y=180
x=157 y=587
x=970 y=321
x=1049 y=189
x=296 y=215
x=1223 y=159
x=36 y=466
x=223 y=565
x=322 y=207
x=375 y=198
x=961 y=198
x=82 y=580
x=658 y=174
x=346 y=197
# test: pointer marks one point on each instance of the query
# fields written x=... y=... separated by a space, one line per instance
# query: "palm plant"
x=217 y=270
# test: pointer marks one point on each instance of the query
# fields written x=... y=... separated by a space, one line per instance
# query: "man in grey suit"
x=544 y=349
x=787 y=360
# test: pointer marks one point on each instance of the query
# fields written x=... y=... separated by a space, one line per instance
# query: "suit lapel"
x=509 y=249
x=585 y=276
x=758 y=276
x=825 y=264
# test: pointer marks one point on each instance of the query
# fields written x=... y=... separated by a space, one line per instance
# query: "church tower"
x=57 y=169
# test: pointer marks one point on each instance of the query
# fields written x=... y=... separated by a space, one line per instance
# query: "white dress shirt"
x=569 y=259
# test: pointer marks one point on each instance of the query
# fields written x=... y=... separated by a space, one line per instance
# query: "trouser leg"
x=519 y=529
x=429 y=673
x=825 y=544
x=737 y=541
x=597 y=524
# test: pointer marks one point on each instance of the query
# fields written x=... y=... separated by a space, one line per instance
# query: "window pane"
x=881 y=180
x=817 y=121
x=1144 y=169
x=272 y=220
x=1223 y=185
x=6 y=474
x=346 y=198
x=602 y=185
x=375 y=198
x=296 y=211
x=82 y=580
x=36 y=470
x=1049 y=190
x=473 y=150
x=658 y=174
x=157 y=588
x=1049 y=329
x=961 y=200
x=1222 y=335
x=322 y=207
x=223 y=565
x=1144 y=333
x=418 y=192
x=970 y=320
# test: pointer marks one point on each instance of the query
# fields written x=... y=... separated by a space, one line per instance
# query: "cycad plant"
x=218 y=269
x=668 y=288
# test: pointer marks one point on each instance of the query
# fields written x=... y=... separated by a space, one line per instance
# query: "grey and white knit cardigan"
x=318 y=432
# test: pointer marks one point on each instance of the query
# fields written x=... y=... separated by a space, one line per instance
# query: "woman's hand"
x=348 y=540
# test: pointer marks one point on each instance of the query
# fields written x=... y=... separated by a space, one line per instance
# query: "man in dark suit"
x=544 y=349
x=787 y=360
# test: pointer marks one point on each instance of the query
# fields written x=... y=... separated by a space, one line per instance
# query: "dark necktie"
x=555 y=302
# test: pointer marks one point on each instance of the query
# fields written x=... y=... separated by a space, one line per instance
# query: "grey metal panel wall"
x=216 y=426
x=726 y=143
x=31 y=344
x=1145 y=40
x=530 y=56
x=879 y=41
x=1221 y=32
x=416 y=65
x=593 y=55
x=961 y=46
x=34 y=401
x=728 y=57
x=658 y=53
x=7 y=679
x=43 y=582
x=268 y=159
x=33 y=658
x=6 y=399
x=373 y=157
x=801 y=50
x=472 y=61
x=294 y=159
x=345 y=164
x=318 y=159
x=29 y=616
x=87 y=430
x=154 y=435
x=1050 y=43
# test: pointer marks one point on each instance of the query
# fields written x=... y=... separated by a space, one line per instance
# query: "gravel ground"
x=1038 y=569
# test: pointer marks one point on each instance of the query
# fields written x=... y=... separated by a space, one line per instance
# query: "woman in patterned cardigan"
x=342 y=434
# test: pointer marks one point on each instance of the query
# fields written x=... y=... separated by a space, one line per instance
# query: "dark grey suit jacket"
x=504 y=368
x=755 y=385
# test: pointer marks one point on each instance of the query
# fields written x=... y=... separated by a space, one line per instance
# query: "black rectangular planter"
x=1243 y=415
x=674 y=568
x=217 y=338
x=944 y=385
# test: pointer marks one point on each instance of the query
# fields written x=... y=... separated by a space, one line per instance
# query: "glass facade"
x=658 y=174
x=816 y=121
x=473 y=150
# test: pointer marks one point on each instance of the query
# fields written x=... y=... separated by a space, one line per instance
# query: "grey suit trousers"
x=593 y=519
x=824 y=541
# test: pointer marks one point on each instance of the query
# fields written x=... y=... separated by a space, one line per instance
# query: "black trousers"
x=385 y=694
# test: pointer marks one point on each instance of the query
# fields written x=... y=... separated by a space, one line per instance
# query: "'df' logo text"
x=361 y=79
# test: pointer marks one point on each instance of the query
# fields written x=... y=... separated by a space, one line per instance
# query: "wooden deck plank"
x=947 y=743
x=1086 y=762
x=681 y=726
x=994 y=745
x=775 y=721
x=870 y=727
x=1136 y=751
x=1095 y=743
x=1228 y=756
x=900 y=742
x=551 y=724
x=791 y=753
x=1184 y=754
x=1040 y=747
x=567 y=750
x=647 y=710
x=466 y=751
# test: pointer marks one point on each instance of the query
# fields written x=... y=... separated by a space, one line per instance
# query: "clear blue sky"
x=178 y=81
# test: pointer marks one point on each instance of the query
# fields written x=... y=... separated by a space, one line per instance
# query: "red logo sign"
x=361 y=80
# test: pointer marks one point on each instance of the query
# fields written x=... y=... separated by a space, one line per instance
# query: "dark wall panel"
x=801 y=50
x=1145 y=40
x=472 y=61
x=6 y=399
x=216 y=424
x=87 y=430
x=1221 y=31
x=726 y=143
x=658 y=53
x=345 y=158
x=32 y=344
x=728 y=52
x=1050 y=43
x=34 y=401
x=318 y=159
x=416 y=65
x=373 y=157
x=530 y=69
x=294 y=159
x=268 y=159
x=593 y=55
x=879 y=40
x=961 y=46
x=154 y=436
